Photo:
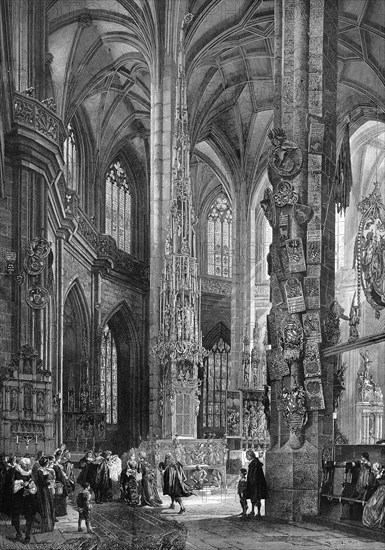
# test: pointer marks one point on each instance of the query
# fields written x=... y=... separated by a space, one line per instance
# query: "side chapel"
x=192 y=233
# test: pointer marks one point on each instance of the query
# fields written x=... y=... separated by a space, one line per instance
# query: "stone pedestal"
x=291 y=477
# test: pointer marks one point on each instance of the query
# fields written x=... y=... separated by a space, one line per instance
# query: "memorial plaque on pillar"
x=294 y=295
x=316 y=137
x=314 y=172
x=276 y=294
x=296 y=255
x=313 y=270
x=314 y=394
x=314 y=240
x=276 y=364
x=312 y=325
x=276 y=262
x=312 y=360
x=312 y=291
x=283 y=228
x=285 y=262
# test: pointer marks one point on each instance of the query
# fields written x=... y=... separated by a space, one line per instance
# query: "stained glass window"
x=118 y=205
x=109 y=377
x=71 y=159
x=215 y=383
x=219 y=221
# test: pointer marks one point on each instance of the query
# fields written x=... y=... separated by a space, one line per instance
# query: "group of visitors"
x=35 y=486
x=138 y=481
x=40 y=485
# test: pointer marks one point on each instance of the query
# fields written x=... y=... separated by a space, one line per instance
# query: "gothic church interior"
x=192 y=232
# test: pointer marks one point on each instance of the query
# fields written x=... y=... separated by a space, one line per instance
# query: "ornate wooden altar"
x=27 y=422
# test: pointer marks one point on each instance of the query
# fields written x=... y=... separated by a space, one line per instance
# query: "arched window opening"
x=71 y=159
x=340 y=240
x=219 y=224
x=215 y=383
x=109 y=377
x=267 y=239
x=118 y=210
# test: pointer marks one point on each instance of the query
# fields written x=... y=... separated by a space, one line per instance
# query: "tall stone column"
x=301 y=171
x=162 y=97
x=240 y=300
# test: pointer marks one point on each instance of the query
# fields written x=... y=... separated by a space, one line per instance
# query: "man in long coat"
x=174 y=482
x=256 y=488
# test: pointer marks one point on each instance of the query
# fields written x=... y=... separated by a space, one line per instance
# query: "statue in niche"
x=14 y=400
x=40 y=403
x=246 y=422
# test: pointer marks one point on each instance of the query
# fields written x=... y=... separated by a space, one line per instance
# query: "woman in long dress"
x=129 y=481
x=150 y=495
x=61 y=486
x=45 y=481
x=374 y=511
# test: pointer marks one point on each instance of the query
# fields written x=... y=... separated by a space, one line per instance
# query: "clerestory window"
x=219 y=225
x=118 y=210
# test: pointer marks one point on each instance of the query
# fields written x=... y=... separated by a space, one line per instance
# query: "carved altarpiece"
x=27 y=416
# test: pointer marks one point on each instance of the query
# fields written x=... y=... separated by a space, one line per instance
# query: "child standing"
x=242 y=490
x=84 y=507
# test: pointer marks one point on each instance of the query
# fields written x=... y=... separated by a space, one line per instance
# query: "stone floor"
x=211 y=522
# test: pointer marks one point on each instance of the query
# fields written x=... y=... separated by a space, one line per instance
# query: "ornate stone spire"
x=179 y=345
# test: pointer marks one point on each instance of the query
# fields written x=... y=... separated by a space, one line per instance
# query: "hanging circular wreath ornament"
x=370 y=250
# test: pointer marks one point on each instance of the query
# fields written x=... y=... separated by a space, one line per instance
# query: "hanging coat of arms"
x=285 y=157
x=369 y=257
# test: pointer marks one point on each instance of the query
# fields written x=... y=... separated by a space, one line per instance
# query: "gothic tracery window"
x=109 y=377
x=71 y=159
x=219 y=226
x=215 y=383
x=118 y=211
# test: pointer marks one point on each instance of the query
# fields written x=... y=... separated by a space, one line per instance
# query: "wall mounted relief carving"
x=37 y=297
x=292 y=403
x=285 y=157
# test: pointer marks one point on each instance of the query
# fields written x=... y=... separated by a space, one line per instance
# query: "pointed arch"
x=215 y=379
x=122 y=377
x=220 y=330
x=76 y=343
